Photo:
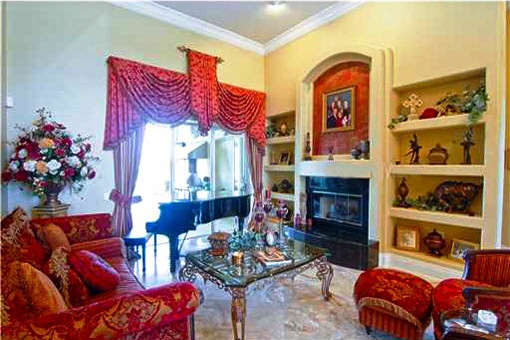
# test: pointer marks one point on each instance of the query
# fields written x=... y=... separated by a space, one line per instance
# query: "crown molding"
x=181 y=20
x=190 y=23
x=306 y=26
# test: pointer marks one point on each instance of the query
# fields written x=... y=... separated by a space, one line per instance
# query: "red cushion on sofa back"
x=98 y=274
x=80 y=228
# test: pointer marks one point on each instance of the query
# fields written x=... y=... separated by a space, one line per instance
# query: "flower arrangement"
x=47 y=156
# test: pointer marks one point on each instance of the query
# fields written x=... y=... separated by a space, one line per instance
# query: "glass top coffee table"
x=235 y=279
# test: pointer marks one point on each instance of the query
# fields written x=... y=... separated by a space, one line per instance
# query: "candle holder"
x=237 y=258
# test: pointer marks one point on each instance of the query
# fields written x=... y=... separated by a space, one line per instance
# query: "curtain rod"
x=184 y=49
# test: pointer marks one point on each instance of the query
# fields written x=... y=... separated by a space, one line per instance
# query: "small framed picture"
x=408 y=238
x=285 y=158
x=459 y=247
x=338 y=110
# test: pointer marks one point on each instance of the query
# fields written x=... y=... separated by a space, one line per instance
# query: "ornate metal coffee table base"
x=238 y=306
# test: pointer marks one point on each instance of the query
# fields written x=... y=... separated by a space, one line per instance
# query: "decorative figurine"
x=438 y=155
x=402 y=192
x=364 y=147
x=413 y=103
x=435 y=242
x=355 y=153
x=414 y=150
x=308 y=148
x=285 y=186
x=467 y=143
x=330 y=155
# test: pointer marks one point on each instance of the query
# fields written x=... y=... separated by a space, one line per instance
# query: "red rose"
x=21 y=176
x=81 y=154
x=60 y=152
x=66 y=142
x=48 y=128
x=33 y=150
x=6 y=176
x=92 y=174
x=69 y=172
x=43 y=184
x=88 y=147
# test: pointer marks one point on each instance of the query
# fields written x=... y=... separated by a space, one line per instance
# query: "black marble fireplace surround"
x=338 y=209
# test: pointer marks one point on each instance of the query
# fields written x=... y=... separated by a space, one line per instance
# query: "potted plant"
x=47 y=158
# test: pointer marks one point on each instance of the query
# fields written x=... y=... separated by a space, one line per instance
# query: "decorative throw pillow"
x=55 y=237
x=28 y=293
x=19 y=242
x=69 y=283
x=98 y=274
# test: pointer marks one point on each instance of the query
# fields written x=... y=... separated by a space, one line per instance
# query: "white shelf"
x=434 y=123
x=280 y=114
x=280 y=196
x=443 y=260
x=460 y=220
x=281 y=140
x=439 y=170
x=279 y=168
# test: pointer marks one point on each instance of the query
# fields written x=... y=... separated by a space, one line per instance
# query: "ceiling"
x=257 y=21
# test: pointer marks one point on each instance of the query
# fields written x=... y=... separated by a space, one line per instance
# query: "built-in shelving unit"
x=477 y=227
x=279 y=160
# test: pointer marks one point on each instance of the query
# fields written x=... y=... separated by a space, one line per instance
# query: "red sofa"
x=128 y=312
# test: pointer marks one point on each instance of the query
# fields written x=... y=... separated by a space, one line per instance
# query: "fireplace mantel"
x=337 y=168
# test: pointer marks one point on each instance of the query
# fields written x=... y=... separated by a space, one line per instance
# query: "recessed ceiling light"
x=276 y=6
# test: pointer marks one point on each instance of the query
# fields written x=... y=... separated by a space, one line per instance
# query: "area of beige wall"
x=428 y=39
x=56 y=55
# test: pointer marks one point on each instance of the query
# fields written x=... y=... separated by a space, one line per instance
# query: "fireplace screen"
x=342 y=208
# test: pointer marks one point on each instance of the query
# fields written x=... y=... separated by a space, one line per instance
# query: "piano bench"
x=137 y=238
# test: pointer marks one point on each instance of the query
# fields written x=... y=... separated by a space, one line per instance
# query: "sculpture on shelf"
x=330 y=154
x=364 y=147
x=283 y=132
x=308 y=148
x=435 y=242
x=467 y=143
x=403 y=191
x=438 y=155
x=414 y=150
x=285 y=186
x=413 y=103
x=453 y=196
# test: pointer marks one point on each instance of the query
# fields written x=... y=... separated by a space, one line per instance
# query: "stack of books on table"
x=272 y=257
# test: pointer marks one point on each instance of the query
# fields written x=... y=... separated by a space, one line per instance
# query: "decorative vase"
x=219 y=243
x=403 y=191
x=52 y=192
x=355 y=153
x=435 y=242
x=308 y=148
x=364 y=146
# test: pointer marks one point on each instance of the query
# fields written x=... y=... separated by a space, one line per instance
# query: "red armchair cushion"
x=19 y=242
x=55 y=237
x=448 y=295
x=405 y=290
x=28 y=293
x=95 y=272
x=80 y=228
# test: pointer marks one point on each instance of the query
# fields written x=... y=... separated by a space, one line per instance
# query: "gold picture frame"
x=285 y=158
x=339 y=110
x=407 y=238
x=459 y=247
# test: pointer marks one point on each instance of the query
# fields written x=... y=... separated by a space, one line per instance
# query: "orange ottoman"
x=394 y=302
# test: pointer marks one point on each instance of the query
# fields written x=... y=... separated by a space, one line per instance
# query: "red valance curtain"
x=138 y=93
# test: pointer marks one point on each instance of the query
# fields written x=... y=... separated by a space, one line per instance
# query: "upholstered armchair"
x=127 y=312
x=484 y=285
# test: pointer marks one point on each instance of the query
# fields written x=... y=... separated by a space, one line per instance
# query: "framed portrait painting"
x=459 y=247
x=338 y=110
x=408 y=238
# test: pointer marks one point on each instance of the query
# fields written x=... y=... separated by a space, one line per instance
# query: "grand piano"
x=180 y=216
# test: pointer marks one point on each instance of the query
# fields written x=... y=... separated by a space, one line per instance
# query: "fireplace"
x=338 y=210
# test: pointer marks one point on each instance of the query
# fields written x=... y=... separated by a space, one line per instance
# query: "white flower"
x=29 y=166
x=23 y=153
x=14 y=165
x=74 y=161
x=53 y=166
x=75 y=149
x=84 y=172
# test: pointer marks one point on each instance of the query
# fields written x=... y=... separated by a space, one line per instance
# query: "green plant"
x=398 y=119
x=449 y=104
x=475 y=104
x=243 y=240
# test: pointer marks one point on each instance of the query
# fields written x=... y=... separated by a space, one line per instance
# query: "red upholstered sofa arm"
x=113 y=318
x=106 y=248
x=491 y=266
x=80 y=228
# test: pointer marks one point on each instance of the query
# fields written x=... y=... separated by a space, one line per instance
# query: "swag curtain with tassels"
x=139 y=93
